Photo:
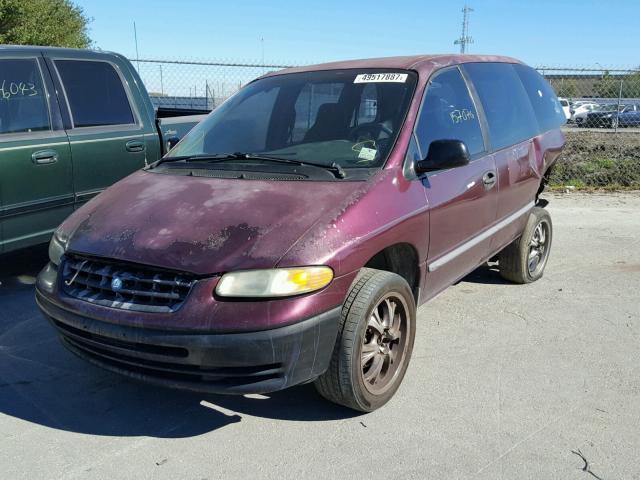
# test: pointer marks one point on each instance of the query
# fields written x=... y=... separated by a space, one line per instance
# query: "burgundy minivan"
x=289 y=237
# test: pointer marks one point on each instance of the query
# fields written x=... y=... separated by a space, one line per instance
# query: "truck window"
x=448 y=113
x=95 y=92
x=509 y=113
x=23 y=103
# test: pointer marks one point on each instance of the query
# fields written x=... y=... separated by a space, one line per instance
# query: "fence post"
x=618 y=109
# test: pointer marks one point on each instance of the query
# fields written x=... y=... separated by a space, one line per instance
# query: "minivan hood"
x=203 y=225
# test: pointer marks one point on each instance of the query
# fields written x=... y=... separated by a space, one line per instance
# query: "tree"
x=58 y=23
x=631 y=86
x=567 y=89
x=607 y=87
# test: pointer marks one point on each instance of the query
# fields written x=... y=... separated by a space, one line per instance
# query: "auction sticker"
x=367 y=153
x=380 y=78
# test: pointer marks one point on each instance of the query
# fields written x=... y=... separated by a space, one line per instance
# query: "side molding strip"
x=456 y=252
x=36 y=206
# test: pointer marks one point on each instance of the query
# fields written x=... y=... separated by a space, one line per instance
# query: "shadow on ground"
x=43 y=383
x=487 y=274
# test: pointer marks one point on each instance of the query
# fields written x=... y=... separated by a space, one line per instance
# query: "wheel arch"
x=402 y=259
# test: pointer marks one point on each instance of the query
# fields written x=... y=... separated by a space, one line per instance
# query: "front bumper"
x=236 y=363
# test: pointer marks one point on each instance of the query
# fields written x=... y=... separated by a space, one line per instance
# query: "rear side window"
x=448 y=113
x=95 y=92
x=508 y=110
x=23 y=102
x=545 y=103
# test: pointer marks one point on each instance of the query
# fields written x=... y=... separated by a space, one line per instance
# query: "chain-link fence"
x=196 y=84
x=602 y=106
x=597 y=97
x=592 y=97
x=598 y=159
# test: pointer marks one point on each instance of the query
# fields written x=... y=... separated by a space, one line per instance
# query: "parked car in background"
x=289 y=236
x=629 y=116
x=566 y=108
x=605 y=116
x=580 y=111
x=72 y=122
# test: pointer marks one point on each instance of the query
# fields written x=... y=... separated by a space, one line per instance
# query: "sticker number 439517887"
x=380 y=77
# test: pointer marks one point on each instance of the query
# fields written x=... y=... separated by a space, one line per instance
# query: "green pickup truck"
x=72 y=122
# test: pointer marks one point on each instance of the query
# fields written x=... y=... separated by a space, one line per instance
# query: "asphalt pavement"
x=506 y=381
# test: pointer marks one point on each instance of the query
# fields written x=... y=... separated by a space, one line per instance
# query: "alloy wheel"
x=384 y=343
x=538 y=250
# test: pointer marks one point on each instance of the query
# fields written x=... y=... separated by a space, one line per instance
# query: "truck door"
x=36 y=176
x=105 y=129
x=462 y=201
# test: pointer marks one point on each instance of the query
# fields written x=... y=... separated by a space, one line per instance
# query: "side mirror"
x=443 y=154
x=172 y=142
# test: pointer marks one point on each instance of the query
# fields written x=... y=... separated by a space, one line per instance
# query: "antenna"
x=464 y=39
x=135 y=36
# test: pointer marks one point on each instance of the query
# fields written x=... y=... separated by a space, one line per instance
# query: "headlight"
x=278 y=282
x=57 y=246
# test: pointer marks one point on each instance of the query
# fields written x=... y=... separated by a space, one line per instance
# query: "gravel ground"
x=506 y=381
x=595 y=159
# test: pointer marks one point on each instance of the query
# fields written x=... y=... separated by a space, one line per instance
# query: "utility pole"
x=464 y=39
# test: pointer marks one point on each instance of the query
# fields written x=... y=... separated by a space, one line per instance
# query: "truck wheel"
x=523 y=260
x=375 y=339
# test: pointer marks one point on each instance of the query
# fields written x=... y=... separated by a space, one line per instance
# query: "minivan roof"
x=424 y=64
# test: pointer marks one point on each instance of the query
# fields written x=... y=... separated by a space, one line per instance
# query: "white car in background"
x=566 y=108
x=580 y=111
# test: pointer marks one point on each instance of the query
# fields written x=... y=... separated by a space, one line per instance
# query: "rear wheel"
x=374 y=344
x=523 y=261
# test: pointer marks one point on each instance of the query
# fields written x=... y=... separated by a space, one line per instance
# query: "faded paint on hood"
x=203 y=225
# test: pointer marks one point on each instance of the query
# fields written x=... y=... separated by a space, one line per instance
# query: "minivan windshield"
x=346 y=117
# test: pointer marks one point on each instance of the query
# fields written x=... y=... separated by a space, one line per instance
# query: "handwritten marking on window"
x=463 y=115
x=15 y=89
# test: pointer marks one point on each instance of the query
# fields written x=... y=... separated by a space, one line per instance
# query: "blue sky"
x=550 y=32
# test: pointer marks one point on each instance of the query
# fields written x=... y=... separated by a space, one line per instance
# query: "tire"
x=615 y=123
x=359 y=352
x=515 y=261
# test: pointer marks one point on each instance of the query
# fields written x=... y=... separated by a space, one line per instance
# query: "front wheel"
x=374 y=344
x=523 y=260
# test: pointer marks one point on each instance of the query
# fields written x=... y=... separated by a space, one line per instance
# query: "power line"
x=464 y=39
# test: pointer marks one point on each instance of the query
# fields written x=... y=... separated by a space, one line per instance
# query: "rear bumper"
x=235 y=363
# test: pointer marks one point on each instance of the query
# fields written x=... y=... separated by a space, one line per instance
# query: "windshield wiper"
x=191 y=158
x=335 y=168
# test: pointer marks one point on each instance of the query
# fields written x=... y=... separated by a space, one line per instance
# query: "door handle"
x=44 y=157
x=489 y=179
x=135 y=146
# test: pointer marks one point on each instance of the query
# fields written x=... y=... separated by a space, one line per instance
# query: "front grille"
x=123 y=285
